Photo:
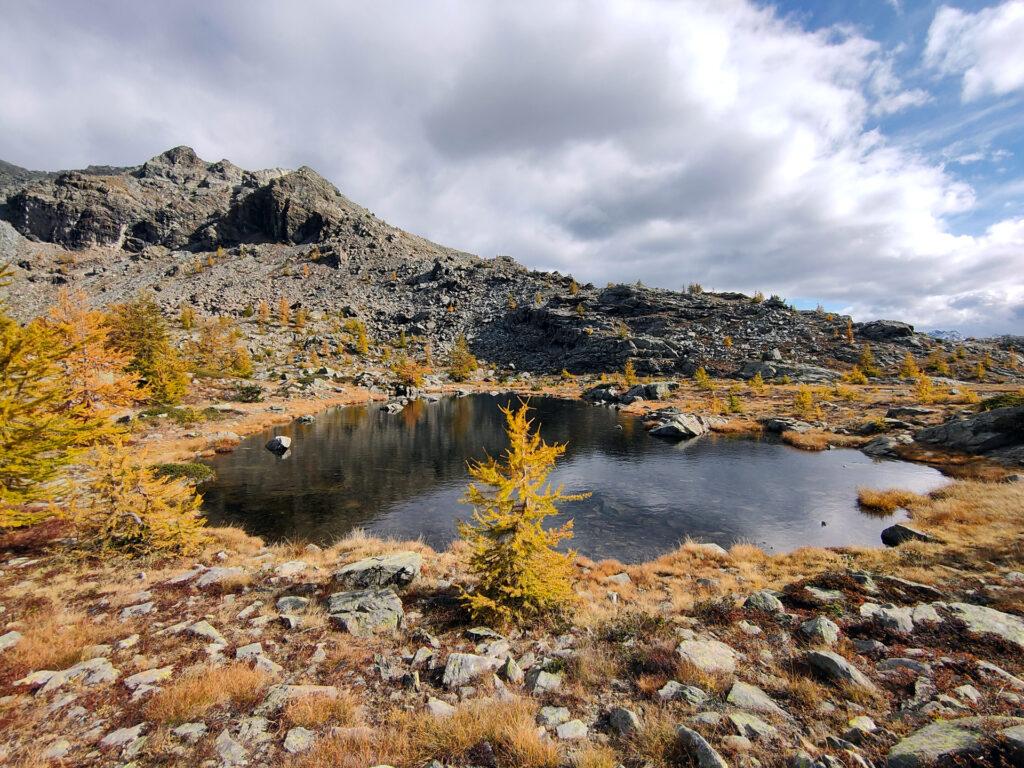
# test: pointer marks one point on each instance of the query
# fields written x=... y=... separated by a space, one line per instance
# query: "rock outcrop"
x=997 y=434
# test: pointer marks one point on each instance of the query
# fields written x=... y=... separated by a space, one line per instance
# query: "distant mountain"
x=223 y=239
x=945 y=335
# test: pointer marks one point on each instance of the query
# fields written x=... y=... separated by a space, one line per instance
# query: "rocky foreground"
x=360 y=655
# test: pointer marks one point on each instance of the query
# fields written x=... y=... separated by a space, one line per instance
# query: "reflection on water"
x=403 y=474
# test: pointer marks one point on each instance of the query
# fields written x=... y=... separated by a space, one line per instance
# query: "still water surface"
x=402 y=475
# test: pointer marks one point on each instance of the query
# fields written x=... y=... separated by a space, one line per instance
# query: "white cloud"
x=667 y=142
x=984 y=48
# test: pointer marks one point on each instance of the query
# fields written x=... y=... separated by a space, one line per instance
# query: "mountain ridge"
x=223 y=239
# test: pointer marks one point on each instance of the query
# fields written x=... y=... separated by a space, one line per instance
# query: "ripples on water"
x=402 y=475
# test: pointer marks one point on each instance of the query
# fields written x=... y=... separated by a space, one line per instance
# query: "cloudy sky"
x=864 y=154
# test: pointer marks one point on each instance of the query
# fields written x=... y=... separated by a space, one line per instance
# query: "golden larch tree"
x=519 y=571
x=129 y=510
x=98 y=375
x=138 y=330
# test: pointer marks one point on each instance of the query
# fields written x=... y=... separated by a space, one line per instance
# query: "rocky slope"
x=222 y=239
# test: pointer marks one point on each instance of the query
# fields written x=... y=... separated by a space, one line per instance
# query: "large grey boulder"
x=982 y=620
x=697 y=747
x=960 y=740
x=364 y=611
x=463 y=668
x=752 y=698
x=884 y=330
x=837 y=669
x=820 y=630
x=397 y=569
x=279 y=444
x=708 y=655
x=683 y=426
x=998 y=433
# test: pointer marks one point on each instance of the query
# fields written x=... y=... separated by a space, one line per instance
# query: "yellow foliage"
x=187 y=317
x=284 y=311
x=937 y=363
x=137 y=329
x=462 y=364
x=849 y=330
x=96 y=374
x=129 y=509
x=408 y=371
x=220 y=349
x=703 y=380
x=629 y=373
x=908 y=368
x=803 y=401
x=301 y=315
x=727 y=341
x=263 y=313
x=756 y=384
x=923 y=389
x=867 y=361
x=855 y=376
x=44 y=421
x=519 y=571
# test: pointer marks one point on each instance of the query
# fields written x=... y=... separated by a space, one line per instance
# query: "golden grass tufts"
x=812 y=440
x=201 y=689
x=315 y=711
x=55 y=640
x=887 y=501
x=738 y=427
x=595 y=756
x=412 y=739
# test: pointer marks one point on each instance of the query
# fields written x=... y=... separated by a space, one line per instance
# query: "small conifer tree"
x=284 y=311
x=520 y=574
x=908 y=368
x=703 y=380
x=137 y=329
x=936 y=363
x=866 y=362
x=734 y=404
x=187 y=317
x=574 y=288
x=727 y=342
x=263 y=313
x=44 y=423
x=855 y=376
x=629 y=373
x=362 y=339
x=129 y=510
x=462 y=363
x=923 y=389
x=849 y=331
x=803 y=401
x=756 y=383
x=300 y=317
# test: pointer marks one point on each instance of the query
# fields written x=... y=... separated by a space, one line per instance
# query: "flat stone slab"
x=958 y=739
x=362 y=612
x=463 y=668
x=708 y=655
x=984 y=620
x=752 y=698
x=397 y=569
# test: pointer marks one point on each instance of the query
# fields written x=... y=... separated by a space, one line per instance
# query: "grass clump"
x=194 y=694
x=315 y=711
x=887 y=501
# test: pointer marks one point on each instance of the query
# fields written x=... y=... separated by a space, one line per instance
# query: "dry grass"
x=315 y=711
x=203 y=688
x=738 y=427
x=53 y=639
x=812 y=440
x=887 y=501
x=595 y=756
x=412 y=739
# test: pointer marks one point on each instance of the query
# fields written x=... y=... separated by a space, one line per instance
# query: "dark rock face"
x=998 y=433
x=884 y=330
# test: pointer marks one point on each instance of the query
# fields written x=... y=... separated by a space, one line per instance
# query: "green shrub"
x=1005 y=400
x=192 y=471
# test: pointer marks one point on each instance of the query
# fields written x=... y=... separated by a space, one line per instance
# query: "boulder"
x=625 y=722
x=961 y=742
x=279 y=444
x=683 y=426
x=837 y=669
x=884 y=330
x=752 y=698
x=820 y=630
x=697 y=747
x=463 y=668
x=708 y=655
x=361 y=612
x=998 y=433
x=539 y=681
x=989 y=621
x=397 y=569
x=899 y=533
x=763 y=601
